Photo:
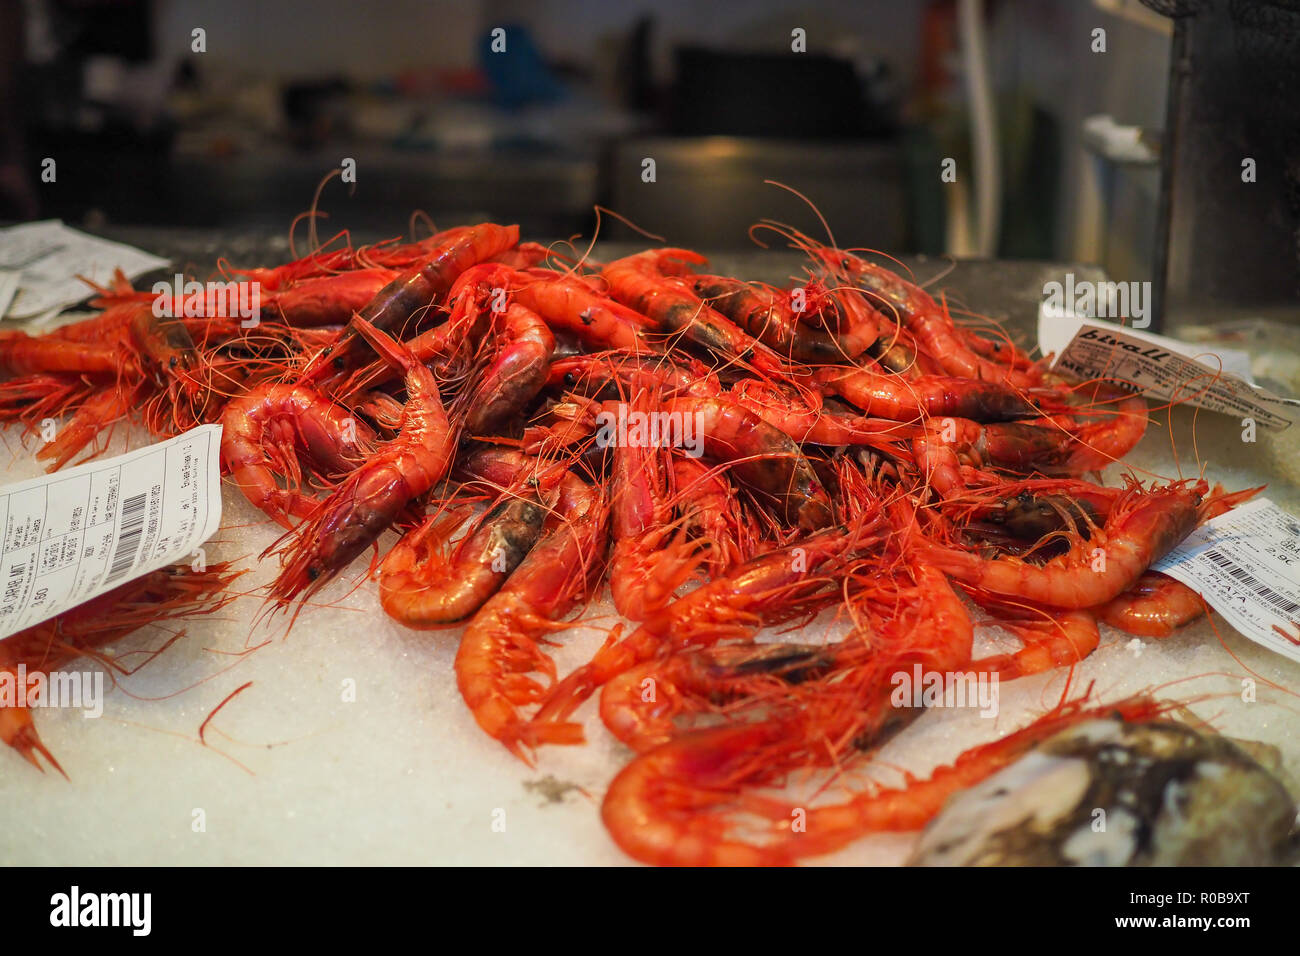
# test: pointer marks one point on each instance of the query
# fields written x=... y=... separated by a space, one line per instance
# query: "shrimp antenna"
x=315 y=211
x=811 y=205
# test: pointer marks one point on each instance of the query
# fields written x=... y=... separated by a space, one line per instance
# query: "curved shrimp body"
x=658 y=808
x=913 y=805
x=1095 y=445
x=774 y=586
x=1156 y=606
x=640 y=705
x=649 y=283
x=518 y=371
x=1142 y=527
x=422 y=589
x=501 y=645
x=162 y=595
x=760 y=455
x=673 y=805
x=903 y=400
x=599 y=322
x=1053 y=638
x=373 y=495
x=417 y=288
x=263 y=432
x=23 y=354
x=767 y=314
x=326 y=300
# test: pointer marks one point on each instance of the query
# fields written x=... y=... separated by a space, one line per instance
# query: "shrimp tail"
x=19 y=732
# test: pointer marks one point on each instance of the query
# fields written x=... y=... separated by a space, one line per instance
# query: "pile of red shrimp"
x=726 y=455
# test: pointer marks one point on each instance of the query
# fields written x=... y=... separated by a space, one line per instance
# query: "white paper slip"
x=71 y=536
x=9 y=279
x=1160 y=367
x=50 y=257
x=1246 y=564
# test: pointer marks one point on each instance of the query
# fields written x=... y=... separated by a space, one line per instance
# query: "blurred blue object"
x=518 y=74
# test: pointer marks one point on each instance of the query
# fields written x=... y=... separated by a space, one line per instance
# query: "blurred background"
x=227 y=113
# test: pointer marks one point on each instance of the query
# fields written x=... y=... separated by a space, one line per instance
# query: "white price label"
x=73 y=535
x=1246 y=564
x=1162 y=368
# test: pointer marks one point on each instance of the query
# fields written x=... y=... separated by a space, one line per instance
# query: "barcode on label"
x=1261 y=590
x=128 y=538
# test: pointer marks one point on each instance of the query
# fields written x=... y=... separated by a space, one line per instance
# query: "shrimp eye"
x=313 y=572
x=845 y=263
x=570 y=378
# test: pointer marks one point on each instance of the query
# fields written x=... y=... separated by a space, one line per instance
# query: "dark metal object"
x=1228 y=245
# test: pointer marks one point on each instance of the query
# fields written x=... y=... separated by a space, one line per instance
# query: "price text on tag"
x=73 y=535
x=1246 y=564
x=1167 y=370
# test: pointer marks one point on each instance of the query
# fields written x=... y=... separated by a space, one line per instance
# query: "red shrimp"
x=519 y=370
x=566 y=302
x=768 y=315
x=418 y=288
x=901 y=399
x=326 y=300
x=673 y=805
x=1142 y=527
x=371 y=497
x=646 y=282
x=422 y=587
x=265 y=430
x=642 y=705
x=501 y=645
x=760 y=455
x=1051 y=637
x=1155 y=606
x=652 y=556
x=782 y=584
x=804 y=417
x=23 y=354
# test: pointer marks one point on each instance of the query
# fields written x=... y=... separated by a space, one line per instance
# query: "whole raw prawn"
x=1142 y=526
x=371 y=497
x=501 y=646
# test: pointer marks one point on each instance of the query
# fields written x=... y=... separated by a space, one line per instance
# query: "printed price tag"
x=1246 y=564
x=1162 y=368
x=73 y=535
